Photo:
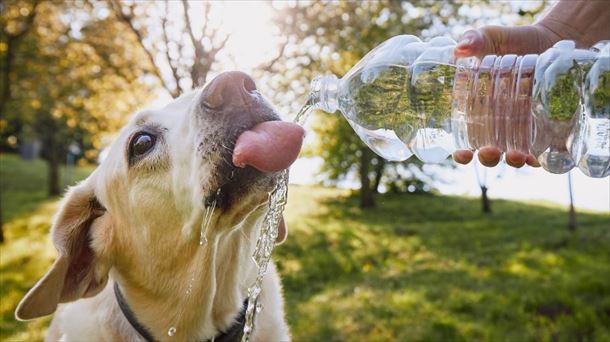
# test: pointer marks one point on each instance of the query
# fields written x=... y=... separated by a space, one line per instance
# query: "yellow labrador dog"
x=130 y=264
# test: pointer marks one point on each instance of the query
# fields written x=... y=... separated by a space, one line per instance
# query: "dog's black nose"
x=226 y=87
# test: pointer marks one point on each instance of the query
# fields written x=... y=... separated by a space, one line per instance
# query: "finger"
x=515 y=159
x=472 y=43
x=489 y=156
x=532 y=161
x=463 y=156
x=501 y=40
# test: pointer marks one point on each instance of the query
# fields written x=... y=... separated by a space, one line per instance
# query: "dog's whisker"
x=227 y=162
x=228 y=148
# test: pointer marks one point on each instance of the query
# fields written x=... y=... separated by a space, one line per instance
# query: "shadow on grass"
x=434 y=268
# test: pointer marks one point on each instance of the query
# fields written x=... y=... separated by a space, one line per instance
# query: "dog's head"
x=148 y=197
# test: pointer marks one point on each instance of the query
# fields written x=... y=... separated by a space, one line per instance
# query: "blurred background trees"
x=72 y=79
x=179 y=53
x=72 y=72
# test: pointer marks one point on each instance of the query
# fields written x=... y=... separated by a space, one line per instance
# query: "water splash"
x=268 y=234
x=207 y=218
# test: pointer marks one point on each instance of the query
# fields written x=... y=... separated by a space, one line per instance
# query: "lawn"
x=417 y=268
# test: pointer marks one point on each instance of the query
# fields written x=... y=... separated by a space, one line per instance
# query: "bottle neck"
x=324 y=93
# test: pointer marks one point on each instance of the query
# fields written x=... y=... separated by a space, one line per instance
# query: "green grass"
x=417 y=268
x=23 y=184
x=27 y=212
x=433 y=268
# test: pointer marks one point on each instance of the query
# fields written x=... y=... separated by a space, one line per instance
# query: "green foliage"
x=601 y=95
x=564 y=94
x=74 y=77
x=342 y=32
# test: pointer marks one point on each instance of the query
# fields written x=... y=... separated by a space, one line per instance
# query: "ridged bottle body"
x=411 y=97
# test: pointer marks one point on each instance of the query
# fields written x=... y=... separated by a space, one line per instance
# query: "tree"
x=483 y=183
x=165 y=32
x=572 y=223
x=15 y=24
x=67 y=82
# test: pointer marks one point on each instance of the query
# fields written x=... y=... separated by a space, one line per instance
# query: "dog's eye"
x=141 y=144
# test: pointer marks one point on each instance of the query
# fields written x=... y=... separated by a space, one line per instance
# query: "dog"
x=130 y=265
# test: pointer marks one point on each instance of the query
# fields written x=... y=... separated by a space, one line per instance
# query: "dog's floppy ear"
x=78 y=271
x=282 y=231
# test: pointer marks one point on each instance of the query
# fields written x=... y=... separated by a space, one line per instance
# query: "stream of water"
x=268 y=235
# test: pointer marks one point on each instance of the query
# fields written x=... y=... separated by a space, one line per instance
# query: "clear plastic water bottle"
x=410 y=97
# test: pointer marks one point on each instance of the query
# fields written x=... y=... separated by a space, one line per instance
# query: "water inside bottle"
x=399 y=111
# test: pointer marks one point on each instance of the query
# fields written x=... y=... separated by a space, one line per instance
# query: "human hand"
x=500 y=40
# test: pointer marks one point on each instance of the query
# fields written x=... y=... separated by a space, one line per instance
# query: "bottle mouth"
x=320 y=82
x=323 y=93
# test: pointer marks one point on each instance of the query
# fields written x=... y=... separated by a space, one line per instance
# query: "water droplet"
x=205 y=224
x=259 y=307
x=171 y=331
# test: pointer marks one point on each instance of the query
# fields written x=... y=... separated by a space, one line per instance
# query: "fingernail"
x=464 y=42
x=467 y=39
x=532 y=161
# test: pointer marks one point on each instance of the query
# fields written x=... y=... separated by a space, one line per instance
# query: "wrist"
x=550 y=31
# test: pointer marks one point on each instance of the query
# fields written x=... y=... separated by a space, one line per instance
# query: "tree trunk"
x=6 y=75
x=379 y=168
x=1 y=226
x=366 y=194
x=485 y=203
x=53 y=177
x=53 y=168
x=11 y=44
x=572 y=224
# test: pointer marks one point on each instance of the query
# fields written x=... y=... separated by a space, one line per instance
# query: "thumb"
x=503 y=40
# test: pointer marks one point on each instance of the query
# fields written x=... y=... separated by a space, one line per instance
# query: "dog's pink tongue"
x=269 y=147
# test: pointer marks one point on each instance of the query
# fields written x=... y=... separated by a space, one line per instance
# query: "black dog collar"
x=234 y=333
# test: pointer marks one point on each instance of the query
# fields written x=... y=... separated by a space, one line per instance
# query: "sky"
x=253 y=37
